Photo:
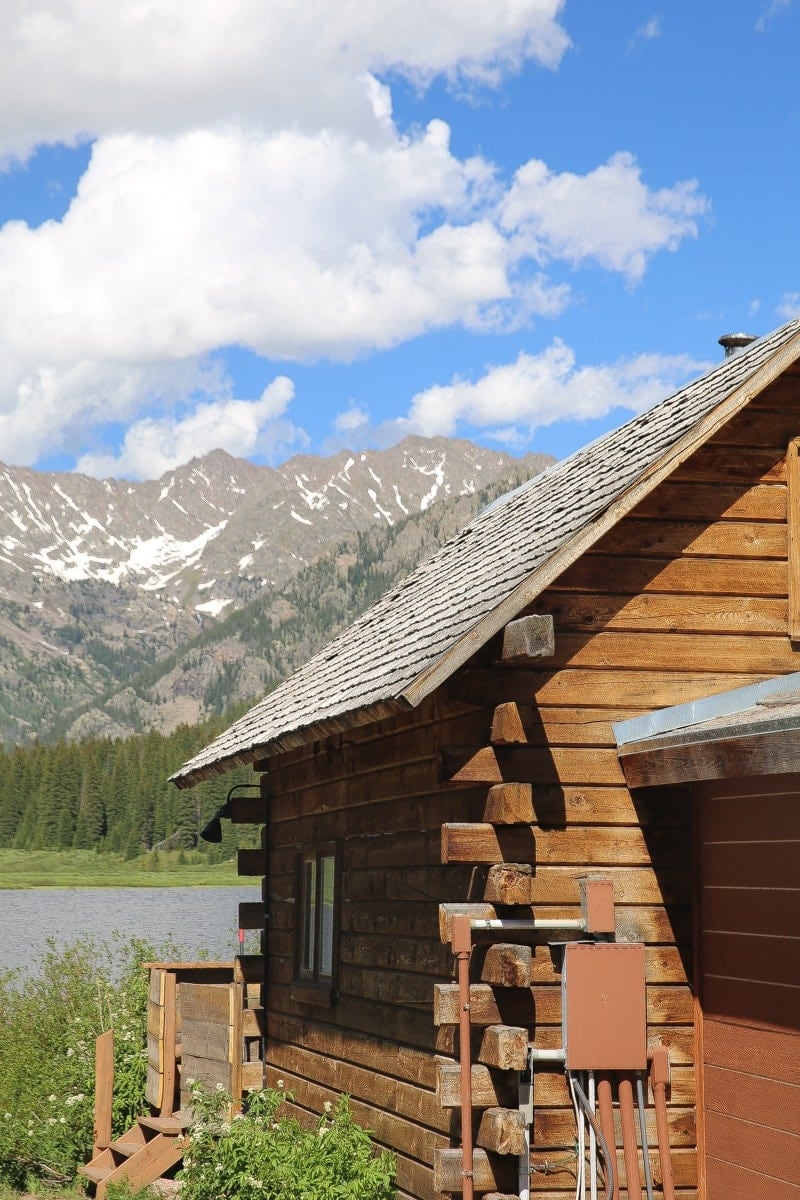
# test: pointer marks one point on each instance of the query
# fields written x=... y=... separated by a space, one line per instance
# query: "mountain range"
x=126 y=606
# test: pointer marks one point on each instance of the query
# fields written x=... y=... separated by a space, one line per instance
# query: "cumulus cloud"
x=154 y=445
x=513 y=399
x=249 y=187
x=351 y=420
x=608 y=216
x=74 y=68
x=294 y=246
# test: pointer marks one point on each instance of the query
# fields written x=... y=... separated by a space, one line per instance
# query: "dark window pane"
x=308 y=957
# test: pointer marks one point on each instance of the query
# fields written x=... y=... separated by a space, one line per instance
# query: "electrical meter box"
x=604 y=1006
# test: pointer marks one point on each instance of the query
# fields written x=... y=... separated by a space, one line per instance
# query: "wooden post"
x=169 y=1062
x=236 y=993
x=103 y=1090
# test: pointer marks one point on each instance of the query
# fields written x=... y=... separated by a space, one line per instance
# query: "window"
x=317 y=891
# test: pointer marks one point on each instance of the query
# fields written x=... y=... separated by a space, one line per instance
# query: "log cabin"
x=599 y=676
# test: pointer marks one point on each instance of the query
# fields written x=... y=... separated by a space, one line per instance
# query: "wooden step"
x=96 y=1174
x=150 y=1162
x=171 y=1126
x=126 y=1148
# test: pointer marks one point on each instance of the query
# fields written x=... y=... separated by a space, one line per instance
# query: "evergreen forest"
x=112 y=795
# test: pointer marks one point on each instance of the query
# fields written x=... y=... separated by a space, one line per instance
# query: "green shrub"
x=50 y=1023
x=265 y=1155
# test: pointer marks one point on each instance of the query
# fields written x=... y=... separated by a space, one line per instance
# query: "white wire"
x=580 y=1181
x=592 y=1143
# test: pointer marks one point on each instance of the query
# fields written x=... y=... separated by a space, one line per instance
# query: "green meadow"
x=86 y=868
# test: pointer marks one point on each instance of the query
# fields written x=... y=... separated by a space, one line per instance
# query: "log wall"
x=685 y=597
x=378 y=793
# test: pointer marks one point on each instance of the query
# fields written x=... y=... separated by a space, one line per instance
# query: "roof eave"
x=295 y=739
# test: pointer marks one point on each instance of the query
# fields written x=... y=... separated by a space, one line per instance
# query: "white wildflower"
x=328 y=1106
x=52 y=1097
x=279 y=1083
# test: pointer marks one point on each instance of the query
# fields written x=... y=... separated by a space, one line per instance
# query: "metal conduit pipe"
x=513 y=924
x=648 y=1174
x=462 y=948
x=659 y=1078
x=540 y=1055
x=629 y=1147
x=605 y=1103
x=526 y=1108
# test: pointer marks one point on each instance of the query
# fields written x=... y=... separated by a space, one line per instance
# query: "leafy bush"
x=265 y=1155
x=50 y=1023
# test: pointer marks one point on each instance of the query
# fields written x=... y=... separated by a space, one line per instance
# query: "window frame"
x=311 y=983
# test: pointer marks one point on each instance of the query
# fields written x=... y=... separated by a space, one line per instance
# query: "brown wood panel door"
x=749 y=960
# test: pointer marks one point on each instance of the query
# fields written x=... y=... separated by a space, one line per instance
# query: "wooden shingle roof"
x=421 y=631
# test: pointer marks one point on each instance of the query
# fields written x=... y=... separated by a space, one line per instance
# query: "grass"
x=44 y=1192
x=85 y=868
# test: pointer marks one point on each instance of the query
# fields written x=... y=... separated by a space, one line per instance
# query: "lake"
x=200 y=919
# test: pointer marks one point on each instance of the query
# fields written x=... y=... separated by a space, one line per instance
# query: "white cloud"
x=773 y=9
x=242 y=427
x=248 y=187
x=789 y=306
x=646 y=32
x=295 y=246
x=609 y=216
x=72 y=68
x=350 y=420
x=514 y=399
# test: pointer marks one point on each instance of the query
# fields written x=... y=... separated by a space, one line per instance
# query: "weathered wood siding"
x=685 y=597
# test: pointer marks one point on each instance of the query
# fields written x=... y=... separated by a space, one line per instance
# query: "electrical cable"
x=580 y=1125
x=608 y=1175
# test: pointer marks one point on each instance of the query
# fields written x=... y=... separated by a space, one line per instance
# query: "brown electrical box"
x=597 y=904
x=604 y=1006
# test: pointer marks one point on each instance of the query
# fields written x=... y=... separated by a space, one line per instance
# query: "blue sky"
x=275 y=228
